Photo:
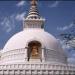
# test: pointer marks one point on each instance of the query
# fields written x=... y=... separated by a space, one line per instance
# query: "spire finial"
x=33 y=2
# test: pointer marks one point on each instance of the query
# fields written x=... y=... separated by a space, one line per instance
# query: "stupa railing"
x=37 y=66
x=23 y=51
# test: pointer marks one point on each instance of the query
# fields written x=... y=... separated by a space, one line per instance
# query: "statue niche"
x=34 y=50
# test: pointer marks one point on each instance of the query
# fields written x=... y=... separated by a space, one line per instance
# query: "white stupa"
x=33 y=51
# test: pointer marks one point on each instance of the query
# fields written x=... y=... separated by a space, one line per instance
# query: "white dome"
x=21 y=40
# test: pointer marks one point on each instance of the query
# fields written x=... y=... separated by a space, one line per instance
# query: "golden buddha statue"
x=34 y=51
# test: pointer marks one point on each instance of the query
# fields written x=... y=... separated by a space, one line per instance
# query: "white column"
x=26 y=54
x=43 y=58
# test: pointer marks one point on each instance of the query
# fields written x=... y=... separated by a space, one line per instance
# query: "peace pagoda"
x=33 y=51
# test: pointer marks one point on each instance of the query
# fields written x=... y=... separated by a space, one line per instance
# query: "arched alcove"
x=34 y=50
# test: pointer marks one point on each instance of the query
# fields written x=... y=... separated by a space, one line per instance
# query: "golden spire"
x=33 y=2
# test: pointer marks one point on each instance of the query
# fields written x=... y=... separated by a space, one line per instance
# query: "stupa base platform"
x=37 y=69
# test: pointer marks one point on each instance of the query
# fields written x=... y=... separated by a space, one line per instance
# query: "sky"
x=59 y=16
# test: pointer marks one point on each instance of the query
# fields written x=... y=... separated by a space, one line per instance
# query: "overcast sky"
x=59 y=17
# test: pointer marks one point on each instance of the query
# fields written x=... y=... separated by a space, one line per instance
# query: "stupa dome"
x=53 y=51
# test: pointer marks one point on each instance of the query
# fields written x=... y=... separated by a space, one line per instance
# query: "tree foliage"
x=69 y=37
